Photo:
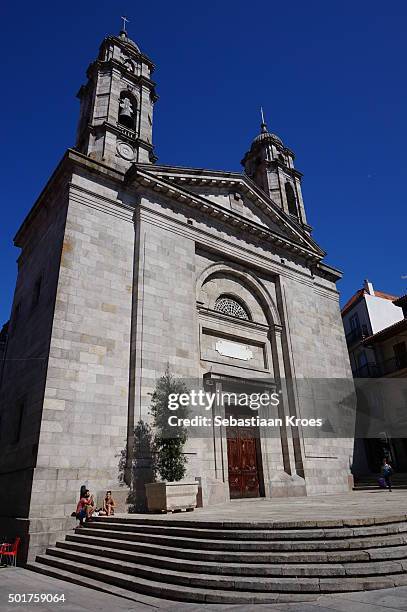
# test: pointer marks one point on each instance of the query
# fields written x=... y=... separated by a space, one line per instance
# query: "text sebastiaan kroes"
x=213 y=401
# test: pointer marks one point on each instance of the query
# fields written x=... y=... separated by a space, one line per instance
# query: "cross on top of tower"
x=125 y=21
x=263 y=123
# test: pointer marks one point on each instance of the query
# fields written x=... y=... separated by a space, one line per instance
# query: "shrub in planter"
x=171 y=492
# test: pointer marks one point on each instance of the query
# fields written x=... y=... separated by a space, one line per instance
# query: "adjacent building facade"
x=127 y=266
x=376 y=331
x=367 y=312
x=389 y=345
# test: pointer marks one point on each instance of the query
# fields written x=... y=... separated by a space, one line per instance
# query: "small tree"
x=169 y=441
x=142 y=468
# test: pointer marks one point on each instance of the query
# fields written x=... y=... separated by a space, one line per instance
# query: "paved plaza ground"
x=353 y=505
x=81 y=599
x=356 y=505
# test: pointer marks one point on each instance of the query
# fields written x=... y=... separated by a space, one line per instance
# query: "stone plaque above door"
x=234 y=350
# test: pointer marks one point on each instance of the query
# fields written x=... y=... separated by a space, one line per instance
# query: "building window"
x=291 y=199
x=230 y=306
x=36 y=292
x=354 y=321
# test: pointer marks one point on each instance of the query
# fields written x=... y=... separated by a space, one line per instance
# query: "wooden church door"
x=243 y=462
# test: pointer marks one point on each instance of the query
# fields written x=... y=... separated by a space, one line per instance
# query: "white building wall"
x=382 y=312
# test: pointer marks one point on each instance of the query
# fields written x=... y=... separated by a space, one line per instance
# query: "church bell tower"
x=270 y=165
x=116 y=112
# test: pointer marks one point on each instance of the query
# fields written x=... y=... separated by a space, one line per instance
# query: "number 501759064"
x=36 y=597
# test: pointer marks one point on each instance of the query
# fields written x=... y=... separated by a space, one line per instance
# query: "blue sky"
x=330 y=76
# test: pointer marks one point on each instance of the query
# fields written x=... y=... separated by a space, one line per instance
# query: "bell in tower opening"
x=127 y=112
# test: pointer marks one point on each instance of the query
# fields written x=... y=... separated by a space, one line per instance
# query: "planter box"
x=170 y=496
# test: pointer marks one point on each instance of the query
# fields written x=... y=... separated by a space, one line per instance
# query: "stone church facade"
x=127 y=265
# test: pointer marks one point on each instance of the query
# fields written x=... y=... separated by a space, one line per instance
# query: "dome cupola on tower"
x=266 y=136
x=124 y=37
x=270 y=164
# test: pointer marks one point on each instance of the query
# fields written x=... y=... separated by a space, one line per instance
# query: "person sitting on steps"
x=108 y=505
x=85 y=508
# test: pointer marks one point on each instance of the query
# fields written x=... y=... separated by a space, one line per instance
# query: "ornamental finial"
x=263 y=123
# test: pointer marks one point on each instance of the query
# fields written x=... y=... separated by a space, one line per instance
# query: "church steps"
x=222 y=556
x=146 y=579
x=193 y=563
x=247 y=546
x=105 y=582
x=237 y=568
x=92 y=583
x=198 y=555
x=250 y=534
x=250 y=525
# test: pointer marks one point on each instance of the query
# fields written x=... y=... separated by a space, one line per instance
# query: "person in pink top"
x=85 y=508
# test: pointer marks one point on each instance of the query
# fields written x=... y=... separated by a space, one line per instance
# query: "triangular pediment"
x=230 y=195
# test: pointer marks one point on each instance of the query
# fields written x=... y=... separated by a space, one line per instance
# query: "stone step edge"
x=223 y=582
x=96 y=585
x=187 y=593
x=306 y=524
x=285 y=534
x=162 y=562
x=284 y=554
x=210 y=544
x=173 y=593
x=368 y=487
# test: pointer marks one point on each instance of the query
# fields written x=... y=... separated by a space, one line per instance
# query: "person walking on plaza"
x=387 y=471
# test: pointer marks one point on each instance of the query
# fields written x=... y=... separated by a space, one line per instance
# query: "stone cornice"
x=70 y=159
x=328 y=272
x=110 y=64
x=123 y=133
x=276 y=163
x=244 y=325
x=244 y=184
x=164 y=186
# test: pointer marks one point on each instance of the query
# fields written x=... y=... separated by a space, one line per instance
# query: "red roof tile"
x=355 y=298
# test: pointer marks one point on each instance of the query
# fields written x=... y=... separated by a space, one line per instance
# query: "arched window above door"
x=228 y=305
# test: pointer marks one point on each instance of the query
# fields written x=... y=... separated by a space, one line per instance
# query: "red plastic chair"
x=10 y=550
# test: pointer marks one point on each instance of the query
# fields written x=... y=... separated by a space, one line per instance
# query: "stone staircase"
x=231 y=562
x=369 y=482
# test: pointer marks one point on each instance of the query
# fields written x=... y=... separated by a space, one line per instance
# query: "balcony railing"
x=356 y=334
x=376 y=370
